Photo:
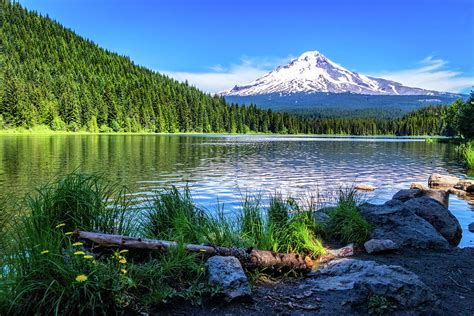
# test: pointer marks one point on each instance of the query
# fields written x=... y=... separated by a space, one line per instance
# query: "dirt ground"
x=450 y=275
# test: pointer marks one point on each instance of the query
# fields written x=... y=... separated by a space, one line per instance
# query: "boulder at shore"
x=415 y=218
x=394 y=221
x=438 y=216
x=228 y=275
x=363 y=279
x=438 y=195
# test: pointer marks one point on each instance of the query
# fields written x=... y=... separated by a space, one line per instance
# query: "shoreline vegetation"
x=41 y=130
x=47 y=270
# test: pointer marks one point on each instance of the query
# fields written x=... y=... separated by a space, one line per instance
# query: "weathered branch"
x=250 y=258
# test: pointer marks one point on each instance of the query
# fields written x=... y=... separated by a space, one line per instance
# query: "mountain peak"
x=313 y=72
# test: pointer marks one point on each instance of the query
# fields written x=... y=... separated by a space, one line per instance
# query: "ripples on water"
x=227 y=166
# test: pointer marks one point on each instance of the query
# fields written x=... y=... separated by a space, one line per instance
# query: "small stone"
x=365 y=187
x=457 y=192
x=380 y=245
x=470 y=189
x=417 y=185
x=440 y=180
x=228 y=275
x=343 y=252
x=464 y=184
x=471 y=227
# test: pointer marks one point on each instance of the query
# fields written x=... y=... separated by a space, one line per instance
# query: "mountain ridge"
x=312 y=72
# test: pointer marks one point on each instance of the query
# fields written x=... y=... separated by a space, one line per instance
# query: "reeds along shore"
x=46 y=270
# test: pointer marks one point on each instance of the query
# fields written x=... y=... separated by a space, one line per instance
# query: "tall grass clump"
x=345 y=221
x=468 y=153
x=281 y=226
x=46 y=271
x=41 y=263
x=174 y=216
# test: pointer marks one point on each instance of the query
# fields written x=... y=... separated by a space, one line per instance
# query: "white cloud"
x=220 y=78
x=432 y=74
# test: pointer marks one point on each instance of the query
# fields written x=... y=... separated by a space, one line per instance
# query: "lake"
x=223 y=167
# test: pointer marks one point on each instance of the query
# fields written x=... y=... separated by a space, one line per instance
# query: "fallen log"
x=250 y=258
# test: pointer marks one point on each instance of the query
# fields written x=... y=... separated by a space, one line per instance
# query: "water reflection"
x=225 y=166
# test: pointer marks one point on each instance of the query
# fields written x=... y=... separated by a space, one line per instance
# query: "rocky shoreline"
x=410 y=266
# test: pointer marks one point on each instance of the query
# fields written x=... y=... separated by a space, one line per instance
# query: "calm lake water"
x=222 y=168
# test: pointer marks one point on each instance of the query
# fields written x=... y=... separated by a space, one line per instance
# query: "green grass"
x=469 y=155
x=281 y=227
x=41 y=261
x=345 y=221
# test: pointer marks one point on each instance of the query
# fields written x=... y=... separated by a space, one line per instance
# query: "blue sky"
x=217 y=44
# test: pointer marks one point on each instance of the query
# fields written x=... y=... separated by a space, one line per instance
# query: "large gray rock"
x=439 y=195
x=362 y=279
x=380 y=245
x=438 y=216
x=398 y=223
x=228 y=275
x=417 y=185
x=440 y=180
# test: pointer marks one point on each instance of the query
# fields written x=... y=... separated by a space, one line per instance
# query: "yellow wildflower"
x=123 y=271
x=123 y=251
x=94 y=262
x=81 y=278
x=60 y=225
x=88 y=257
x=44 y=252
x=68 y=233
x=79 y=253
x=77 y=243
x=123 y=261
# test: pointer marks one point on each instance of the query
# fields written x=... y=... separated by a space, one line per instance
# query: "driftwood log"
x=250 y=258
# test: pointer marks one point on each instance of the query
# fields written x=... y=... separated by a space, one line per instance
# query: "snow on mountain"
x=313 y=72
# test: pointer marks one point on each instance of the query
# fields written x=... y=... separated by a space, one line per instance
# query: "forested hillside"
x=51 y=76
x=54 y=77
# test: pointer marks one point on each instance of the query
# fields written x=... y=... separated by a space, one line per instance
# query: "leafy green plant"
x=380 y=305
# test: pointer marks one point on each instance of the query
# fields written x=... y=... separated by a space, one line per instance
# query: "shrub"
x=58 y=124
x=115 y=126
x=105 y=129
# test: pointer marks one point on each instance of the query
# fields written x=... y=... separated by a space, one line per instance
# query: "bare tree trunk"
x=250 y=258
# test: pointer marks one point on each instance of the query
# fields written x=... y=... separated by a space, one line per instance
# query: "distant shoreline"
x=44 y=132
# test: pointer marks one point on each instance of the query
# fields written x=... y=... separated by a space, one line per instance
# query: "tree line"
x=50 y=76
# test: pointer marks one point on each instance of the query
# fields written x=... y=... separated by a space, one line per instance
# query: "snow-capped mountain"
x=314 y=72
